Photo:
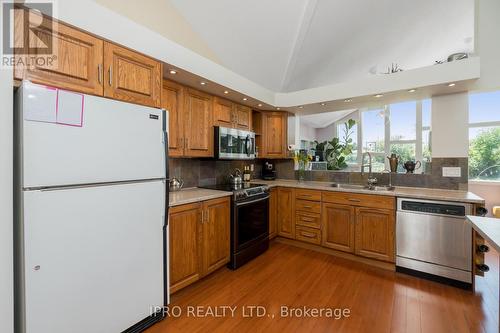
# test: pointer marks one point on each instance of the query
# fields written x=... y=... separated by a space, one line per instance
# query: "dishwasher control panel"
x=433 y=208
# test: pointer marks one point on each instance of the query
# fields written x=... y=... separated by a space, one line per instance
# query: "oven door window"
x=251 y=221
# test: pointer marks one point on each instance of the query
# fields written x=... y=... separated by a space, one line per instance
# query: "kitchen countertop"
x=488 y=228
x=408 y=192
x=194 y=194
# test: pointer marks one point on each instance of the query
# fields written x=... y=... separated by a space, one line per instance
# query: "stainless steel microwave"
x=234 y=144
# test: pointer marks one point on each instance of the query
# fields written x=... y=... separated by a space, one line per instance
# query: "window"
x=403 y=129
x=484 y=136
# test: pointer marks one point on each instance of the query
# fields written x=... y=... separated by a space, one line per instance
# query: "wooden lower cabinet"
x=273 y=213
x=185 y=230
x=216 y=234
x=338 y=227
x=199 y=240
x=375 y=233
x=286 y=218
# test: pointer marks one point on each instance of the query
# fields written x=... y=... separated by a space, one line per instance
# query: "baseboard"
x=379 y=264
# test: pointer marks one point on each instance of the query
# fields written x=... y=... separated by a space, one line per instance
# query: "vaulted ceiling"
x=288 y=45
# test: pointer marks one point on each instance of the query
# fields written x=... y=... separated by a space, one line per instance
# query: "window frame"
x=481 y=124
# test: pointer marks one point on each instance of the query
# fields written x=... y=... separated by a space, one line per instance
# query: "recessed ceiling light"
x=323 y=104
x=203 y=83
x=226 y=92
x=278 y=109
x=301 y=107
x=347 y=100
x=173 y=71
x=378 y=96
x=244 y=98
x=260 y=105
x=451 y=84
x=412 y=90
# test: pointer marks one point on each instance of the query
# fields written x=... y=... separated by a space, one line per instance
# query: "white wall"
x=326 y=134
x=450 y=117
x=487 y=45
x=6 y=218
x=307 y=132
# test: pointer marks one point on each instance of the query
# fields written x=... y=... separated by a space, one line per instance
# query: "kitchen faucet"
x=371 y=180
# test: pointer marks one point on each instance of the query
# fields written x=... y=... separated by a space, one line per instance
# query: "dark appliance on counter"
x=234 y=144
x=249 y=221
x=268 y=171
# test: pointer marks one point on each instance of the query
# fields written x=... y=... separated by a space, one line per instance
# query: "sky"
x=483 y=107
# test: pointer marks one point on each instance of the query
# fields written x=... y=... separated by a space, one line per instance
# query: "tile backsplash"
x=199 y=172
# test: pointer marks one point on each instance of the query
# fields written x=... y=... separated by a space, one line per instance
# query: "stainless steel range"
x=249 y=221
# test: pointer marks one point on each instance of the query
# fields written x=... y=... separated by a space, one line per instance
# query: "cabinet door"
x=78 y=61
x=216 y=234
x=286 y=222
x=184 y=236
x=223 y=113
x=173 y=101
x=375 y=233
x=131 y=77
x=338 y=227
x=273 y=213
x=243 y=117
x=275 y=134
x=198 y=120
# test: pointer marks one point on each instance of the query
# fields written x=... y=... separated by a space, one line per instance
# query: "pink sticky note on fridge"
x=70 y=108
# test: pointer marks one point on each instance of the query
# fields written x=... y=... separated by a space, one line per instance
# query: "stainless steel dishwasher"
x=434 y=240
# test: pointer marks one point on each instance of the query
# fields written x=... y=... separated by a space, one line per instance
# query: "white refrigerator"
x=91 y=232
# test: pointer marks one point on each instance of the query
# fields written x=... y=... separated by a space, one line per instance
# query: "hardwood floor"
x=378 y=300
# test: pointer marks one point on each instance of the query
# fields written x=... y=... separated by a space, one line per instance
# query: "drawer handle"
x=307 y=206
x=354 y=200
x=482 y=268
x=308 y=235
x=306 y=195
x=307 y=219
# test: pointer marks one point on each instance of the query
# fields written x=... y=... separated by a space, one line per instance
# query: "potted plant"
x=337 y=150
x=319 y=150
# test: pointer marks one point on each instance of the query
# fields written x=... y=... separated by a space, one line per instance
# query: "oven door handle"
x=244 y=203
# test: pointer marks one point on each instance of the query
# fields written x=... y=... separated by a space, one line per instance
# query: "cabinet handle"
x=307 y=219
x=307 y=206
x=354 y=200
x=308 y=235
x=185 y=143
x=99 y=73
x=207 y=216
x=110 y=71
x=202 y=216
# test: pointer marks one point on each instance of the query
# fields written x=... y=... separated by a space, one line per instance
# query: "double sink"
x=374 y=188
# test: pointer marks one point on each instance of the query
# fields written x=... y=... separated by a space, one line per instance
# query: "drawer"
x=308 y=206
x=308 y=235
x=308 y=220
x=308 y=195
x=358 y=199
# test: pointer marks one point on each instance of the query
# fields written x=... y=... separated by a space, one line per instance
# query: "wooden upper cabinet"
x=232 y=115
x=131 y=77
x=243 y=117
x=198 y=124
x=223 y=112
x=173 y=101
x=185 y=230
x=216 y=234
x=338 y=227
x=286 y=221
x=274 y=136
x=273 y=213
x=76 y=63
x=375 y=233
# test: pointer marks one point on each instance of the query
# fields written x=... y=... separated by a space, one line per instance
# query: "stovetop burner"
x=241 y=192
